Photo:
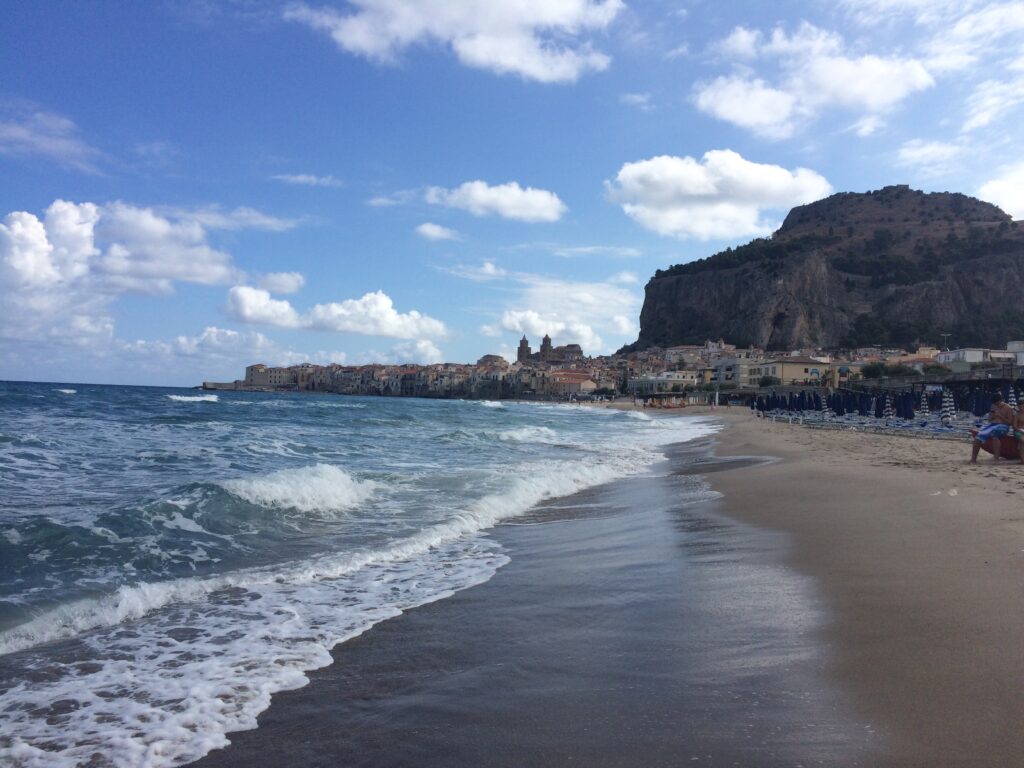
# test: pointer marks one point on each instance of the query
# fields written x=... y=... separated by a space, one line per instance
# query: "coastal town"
x=689 y=372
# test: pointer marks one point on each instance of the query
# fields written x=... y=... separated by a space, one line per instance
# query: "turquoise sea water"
x=169 y=558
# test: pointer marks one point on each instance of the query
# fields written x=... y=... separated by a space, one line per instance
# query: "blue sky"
x=188 y=187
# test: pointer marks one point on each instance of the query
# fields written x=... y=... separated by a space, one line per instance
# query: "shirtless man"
x=1001 y=419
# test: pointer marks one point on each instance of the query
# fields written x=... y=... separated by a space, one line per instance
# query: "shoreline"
x=909 y=559
x=635 y=624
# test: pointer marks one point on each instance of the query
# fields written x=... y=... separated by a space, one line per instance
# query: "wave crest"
x=319 y=488
x=194 y=398
x=528 y=435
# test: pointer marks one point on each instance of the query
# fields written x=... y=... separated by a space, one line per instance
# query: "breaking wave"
x=319 y=488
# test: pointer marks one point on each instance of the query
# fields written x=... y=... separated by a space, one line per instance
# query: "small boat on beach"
x=1008 y=448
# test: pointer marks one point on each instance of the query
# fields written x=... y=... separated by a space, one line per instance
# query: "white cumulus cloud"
x=1006 y=190
x=749 y=103
x=255 y=305
x=509 y=201
x=722 y=195
x=544 y=41
x=59 y=272
x=373 y=314
x=816 y=73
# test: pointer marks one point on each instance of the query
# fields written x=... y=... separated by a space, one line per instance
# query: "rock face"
x=896 y=266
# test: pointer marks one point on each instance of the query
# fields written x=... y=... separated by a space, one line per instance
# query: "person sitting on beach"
x=1001 y=420
x=1018 y=429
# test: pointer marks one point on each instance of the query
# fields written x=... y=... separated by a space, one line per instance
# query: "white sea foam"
x=194 y=398
x=319 y=488
x=66 y=391
x=153 y=697
x=490 y=403
x=182 y=523
x=528 y=435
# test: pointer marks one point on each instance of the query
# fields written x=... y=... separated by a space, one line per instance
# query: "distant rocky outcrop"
x=895 y=266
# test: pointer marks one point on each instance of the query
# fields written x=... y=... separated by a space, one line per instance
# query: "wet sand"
x=634 y=626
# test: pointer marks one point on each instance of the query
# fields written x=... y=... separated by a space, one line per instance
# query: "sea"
x=172 y=558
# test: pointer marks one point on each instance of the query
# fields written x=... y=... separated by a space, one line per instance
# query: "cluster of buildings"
x=565 y=373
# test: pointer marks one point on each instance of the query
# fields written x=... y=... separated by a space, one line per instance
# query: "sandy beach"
x=921 y=560
x=856 y=601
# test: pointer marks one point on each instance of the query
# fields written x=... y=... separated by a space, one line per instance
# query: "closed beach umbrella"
x=924 y=403
x=948 y=408
x=826 y=408
x=1012 y=398
x=887 y=412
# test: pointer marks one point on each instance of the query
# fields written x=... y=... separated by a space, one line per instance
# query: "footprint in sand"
x=952 y=491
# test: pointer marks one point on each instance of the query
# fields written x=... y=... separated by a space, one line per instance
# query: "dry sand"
x=921 y=558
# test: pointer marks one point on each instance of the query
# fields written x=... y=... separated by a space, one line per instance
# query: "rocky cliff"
x=896 y=266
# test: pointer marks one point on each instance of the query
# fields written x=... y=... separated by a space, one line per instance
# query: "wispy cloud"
x=485 y=272
x=641 y=101
x=579 y=251
x=33 y=132
x=307 y=180
x=430 y=231
x=930 y=158
x=216 y=217
x=570 y=310
x=399 y=197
